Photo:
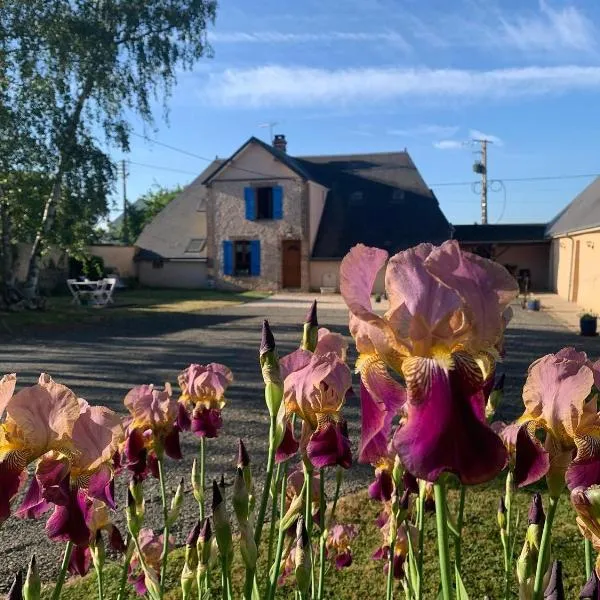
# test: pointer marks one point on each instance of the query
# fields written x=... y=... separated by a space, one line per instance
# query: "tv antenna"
x=270 y=125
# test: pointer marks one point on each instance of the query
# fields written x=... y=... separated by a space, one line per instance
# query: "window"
x=196 y=245
x=241 y=257
x=264 y=203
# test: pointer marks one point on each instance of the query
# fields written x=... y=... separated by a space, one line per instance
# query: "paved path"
x=102 y=362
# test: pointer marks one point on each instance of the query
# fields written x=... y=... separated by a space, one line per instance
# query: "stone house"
x=280 y=222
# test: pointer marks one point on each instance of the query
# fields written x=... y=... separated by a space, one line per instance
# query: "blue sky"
x=343 y=76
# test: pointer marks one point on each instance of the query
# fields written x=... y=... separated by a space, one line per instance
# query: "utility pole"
x=480 y=167
x=125 y=226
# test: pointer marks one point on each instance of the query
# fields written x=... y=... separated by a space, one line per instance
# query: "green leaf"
x=461 y=591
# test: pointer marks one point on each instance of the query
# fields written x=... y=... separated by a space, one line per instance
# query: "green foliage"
x=71 y=75
x=142 y=211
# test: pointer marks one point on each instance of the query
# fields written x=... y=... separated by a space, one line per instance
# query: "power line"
x=138 y=164
x=442 y=184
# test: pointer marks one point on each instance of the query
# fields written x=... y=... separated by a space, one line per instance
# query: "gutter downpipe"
x=570 y=237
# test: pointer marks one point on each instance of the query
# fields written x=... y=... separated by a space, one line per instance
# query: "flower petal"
x=172 y=446
x=583 y=473
x=329 y=446
x=183 y=418
x=294 y=361
x=531 y=460
x=358 y=272
x=420 y=306
x=33 y=504
x=343 y=560
x=69 y=523
x=101 y=486
x=485 y=286
x=383 y=486
x=288 y=446
x=442 y=432
x=206 y=422
x=80 y=561
x=11 y=470
x=45 y=414
x=7 y=388
x=381 y=397
x=53 y=475
x=96 y=434
x=555 y=393
x=331 y=342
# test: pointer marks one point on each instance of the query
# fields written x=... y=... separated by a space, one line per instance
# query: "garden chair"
x=103 y=295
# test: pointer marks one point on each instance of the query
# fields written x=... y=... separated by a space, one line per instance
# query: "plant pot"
x=533 y=305
x=588 y=327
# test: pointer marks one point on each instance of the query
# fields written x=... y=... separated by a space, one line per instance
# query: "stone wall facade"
x=227 y=221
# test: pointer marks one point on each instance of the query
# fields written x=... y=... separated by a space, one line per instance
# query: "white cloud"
x=475 y=134
x=448 y=145
x=279 y=37
x=550 y=30
x=425 y=130
x=270 y=86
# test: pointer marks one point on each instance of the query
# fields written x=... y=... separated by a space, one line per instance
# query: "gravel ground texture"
x=102 y=362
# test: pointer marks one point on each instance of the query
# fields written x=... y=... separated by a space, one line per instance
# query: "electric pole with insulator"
x=480 y=167
x=125 y=226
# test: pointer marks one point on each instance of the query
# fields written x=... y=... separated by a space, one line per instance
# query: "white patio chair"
x=103 y=294
x=73 y=290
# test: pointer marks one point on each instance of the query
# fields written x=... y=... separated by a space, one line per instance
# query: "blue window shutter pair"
x=250 y=200
x=255 y=257
x=227 y=257
x=278 y=202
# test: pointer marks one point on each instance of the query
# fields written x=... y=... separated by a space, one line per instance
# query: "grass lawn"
x=482 y=554
x=61 y=311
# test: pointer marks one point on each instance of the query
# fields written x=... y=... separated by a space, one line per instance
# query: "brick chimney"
x=279 y=142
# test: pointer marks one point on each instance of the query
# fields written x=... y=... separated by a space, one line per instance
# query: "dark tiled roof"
x=496 y=234
x=393 y=168
x=374 y=203
x=582 y=213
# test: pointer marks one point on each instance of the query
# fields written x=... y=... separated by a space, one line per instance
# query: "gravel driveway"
x=102 y=362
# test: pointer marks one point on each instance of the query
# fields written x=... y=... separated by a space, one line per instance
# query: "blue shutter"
x=255 y=257
x=227 y=257
x=249 y=198
x=278 y=202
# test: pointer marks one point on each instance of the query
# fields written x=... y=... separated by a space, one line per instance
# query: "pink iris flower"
x=315 y=389
x=203 y=390
x=442 y=334
x=560 y=397
x=339 y=540
x=37 y=420
x=151 y=546
x=152 y=429
x=98 y=521
x=73 y=480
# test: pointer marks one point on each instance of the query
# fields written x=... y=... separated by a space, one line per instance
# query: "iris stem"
x=322 y=509
x=507 y=542
x=269 y=476
x=544 y=552
x=202 y=452
x=262 y=510
x=272 y=586
x=421 y=527
x=589 y=560
x=273 y=522
x=339 y=476
x=125 y=570
x=441 y=517
x=100 y=581
x=165 y=552
x=389 y=588
x=459 y=528
x=60 y=580
x=308 y=520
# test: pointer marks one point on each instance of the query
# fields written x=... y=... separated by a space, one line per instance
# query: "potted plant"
x=588 y=323
x=533 y=303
